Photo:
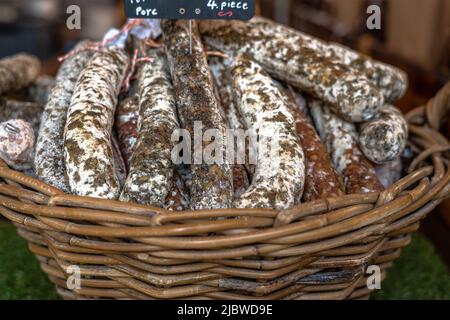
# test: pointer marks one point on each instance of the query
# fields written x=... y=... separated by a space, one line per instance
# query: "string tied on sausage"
x=98 y=46
x=134 y=61
x=143 y=45
x=219 y=54
x=151 y=43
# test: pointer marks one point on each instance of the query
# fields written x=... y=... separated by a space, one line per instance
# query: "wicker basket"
x=317 y=250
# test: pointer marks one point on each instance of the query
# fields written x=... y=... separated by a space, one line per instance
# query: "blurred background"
x=39 y=26
x=414 y=35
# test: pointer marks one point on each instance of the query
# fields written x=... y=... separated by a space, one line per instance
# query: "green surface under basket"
x=418 y=274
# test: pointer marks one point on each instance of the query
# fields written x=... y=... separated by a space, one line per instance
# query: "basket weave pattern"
x=317 y=250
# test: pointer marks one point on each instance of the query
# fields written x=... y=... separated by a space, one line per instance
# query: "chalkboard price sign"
x=190 y=9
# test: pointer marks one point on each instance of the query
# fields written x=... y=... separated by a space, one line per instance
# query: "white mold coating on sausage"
x=87 y=144
x=49 y=159
x=212 y=182
x=341 y=140
x=151 y=168
x=280 y=172
x=382 y=140
x=292 y=57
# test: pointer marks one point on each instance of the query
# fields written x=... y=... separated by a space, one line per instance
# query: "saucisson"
x=212 y=185
x=49 y=159
x=17 y=144
x=383 y=140
x=87 y=141
x=322 y=180
x=280 y=170
x=126 y=124
x=151 y=169
x=391 y=81
x=242 y=172
x=289 y=56
x=341 y=139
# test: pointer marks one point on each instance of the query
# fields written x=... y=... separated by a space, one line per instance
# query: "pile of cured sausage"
x=104 y=126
